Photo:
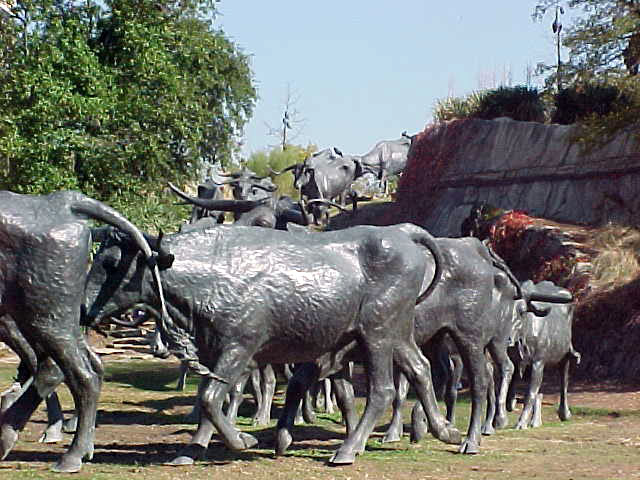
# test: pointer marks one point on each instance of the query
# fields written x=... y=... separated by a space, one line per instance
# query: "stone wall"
x=516 y=166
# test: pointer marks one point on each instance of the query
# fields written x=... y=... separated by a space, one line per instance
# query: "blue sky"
x=363 y=71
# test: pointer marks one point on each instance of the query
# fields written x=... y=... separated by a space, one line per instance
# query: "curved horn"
x=237 y=206
x=266 y=188
x=328 y=202
x=560 y=297
x=229 y=182
x=234 y=174
x=290 y=167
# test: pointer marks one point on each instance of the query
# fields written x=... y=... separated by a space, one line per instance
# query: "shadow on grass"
x=156 y=453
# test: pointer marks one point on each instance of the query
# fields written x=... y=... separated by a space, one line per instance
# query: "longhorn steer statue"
x=387 y=158
x=244 y=295
x=44 y=255
x=322 y=178
x=208 y=190
x=246 y=185
x=265 y=212
x=546 y=340
x=478 y=303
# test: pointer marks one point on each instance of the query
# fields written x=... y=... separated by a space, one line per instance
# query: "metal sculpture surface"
x=265 y=212
x=478 y=303
x=324 y=177
x=244 y=295
x=546 y=340
x=386 y=159
x=44 y=256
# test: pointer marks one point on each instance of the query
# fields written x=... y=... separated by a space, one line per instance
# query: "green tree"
x=115 y=98
x=262 y=162
x=603 y=44
x=603 y=39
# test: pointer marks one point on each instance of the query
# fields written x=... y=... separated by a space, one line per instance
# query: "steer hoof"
x=500 y=421
x=53 y=434
x=8 y=439
x=564 y=415
x=181 y=461
x=488 y=429
x=469 y=447
x=450 y=435
x=70 y=425
x=68 y=464
x=342 y=458
x=188 y=455
x=249 y=441
x=391 y=437
x=283 y=441
x=521 y=426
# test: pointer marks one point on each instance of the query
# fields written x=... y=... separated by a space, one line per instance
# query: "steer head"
x=246 y=185
x=120 y=277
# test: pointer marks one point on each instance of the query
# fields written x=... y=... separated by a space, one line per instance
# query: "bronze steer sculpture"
x=546 y=340
x=323 y=177
x=478 y=303
x=44 y=255
x=245 y=295
x=386 y=159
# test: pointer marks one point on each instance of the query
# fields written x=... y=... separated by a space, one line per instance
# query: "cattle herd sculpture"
x=230 y=300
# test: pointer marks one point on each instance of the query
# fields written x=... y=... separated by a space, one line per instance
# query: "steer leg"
x=499 y=355
x=55 y=420
x=563 y=410
x=268 y=387
x=511 y=393
x=14 y=418
x=345 y=397
x=476 y=364
x=537 y=369
x=84 y=380
x=379 y=357
x=231 y=364
x=305 y=375
x=395 y=430
x=451 y=391
x=237 y=396
x=487 y=427
x=415 y=366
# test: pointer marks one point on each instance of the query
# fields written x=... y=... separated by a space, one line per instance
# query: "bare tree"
x=292 y=122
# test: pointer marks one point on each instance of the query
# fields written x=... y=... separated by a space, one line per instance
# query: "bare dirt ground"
x=142 y=425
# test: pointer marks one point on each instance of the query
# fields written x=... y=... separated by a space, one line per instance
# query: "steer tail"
x=422 y=237
x=529 y=297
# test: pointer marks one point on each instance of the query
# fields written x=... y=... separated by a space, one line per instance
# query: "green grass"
x=141 y=425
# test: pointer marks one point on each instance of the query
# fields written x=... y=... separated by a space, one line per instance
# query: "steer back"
x=283 y=297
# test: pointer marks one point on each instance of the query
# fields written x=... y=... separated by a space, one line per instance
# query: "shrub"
x=579 y=102
x=519 y=103
x=452 y=108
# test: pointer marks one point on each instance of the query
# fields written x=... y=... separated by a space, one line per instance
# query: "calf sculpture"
x=246 y=295
x=546 y=340
x=44 y=255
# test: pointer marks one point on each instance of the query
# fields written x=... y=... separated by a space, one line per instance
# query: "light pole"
x=556 y=26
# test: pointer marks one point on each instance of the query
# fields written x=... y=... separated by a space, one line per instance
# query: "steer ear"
x=165 y=259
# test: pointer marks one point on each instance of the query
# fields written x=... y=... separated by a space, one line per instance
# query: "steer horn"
x=328 y=202
x=266 y=188
x=290 y=167
x=237 y=206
